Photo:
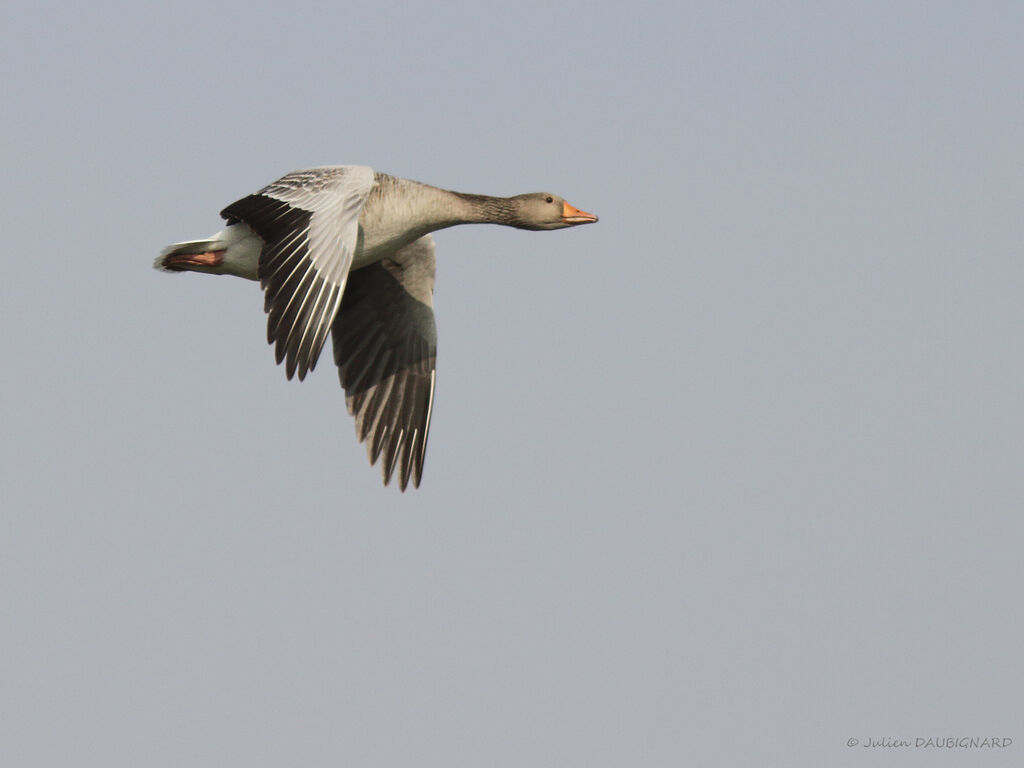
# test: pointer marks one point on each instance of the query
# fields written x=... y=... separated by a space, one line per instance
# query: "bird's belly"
x=377 y=245
x=243 y=251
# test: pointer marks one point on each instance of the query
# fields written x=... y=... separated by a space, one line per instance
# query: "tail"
x=194 y=255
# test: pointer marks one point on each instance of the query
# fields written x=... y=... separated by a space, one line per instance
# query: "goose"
x=347 y=250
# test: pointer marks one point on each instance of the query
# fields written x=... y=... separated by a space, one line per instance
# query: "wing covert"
x=309 y=223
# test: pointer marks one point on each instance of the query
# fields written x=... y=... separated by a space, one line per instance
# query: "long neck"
x=425 y=208
x=400 y=211
x=483 y=209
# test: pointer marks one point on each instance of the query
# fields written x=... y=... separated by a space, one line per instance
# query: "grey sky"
x=729 y=478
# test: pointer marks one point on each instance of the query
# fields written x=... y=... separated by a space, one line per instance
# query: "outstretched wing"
x=309 y=223
x=385 y=345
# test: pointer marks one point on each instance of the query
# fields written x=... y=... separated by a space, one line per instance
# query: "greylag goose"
x=347 y=250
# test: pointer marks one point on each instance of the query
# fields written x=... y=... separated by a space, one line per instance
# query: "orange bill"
x=572 y=215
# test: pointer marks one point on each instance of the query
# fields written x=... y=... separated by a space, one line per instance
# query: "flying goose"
x=347 y=250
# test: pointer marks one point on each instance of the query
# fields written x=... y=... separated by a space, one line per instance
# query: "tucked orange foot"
x=183 y=261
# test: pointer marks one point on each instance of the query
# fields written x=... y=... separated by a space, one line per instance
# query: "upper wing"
x=385 y=345
x=309 y=223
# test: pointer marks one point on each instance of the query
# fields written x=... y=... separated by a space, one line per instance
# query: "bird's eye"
x=550 y=199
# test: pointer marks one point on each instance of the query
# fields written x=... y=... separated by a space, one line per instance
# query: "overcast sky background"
x=729 y=478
